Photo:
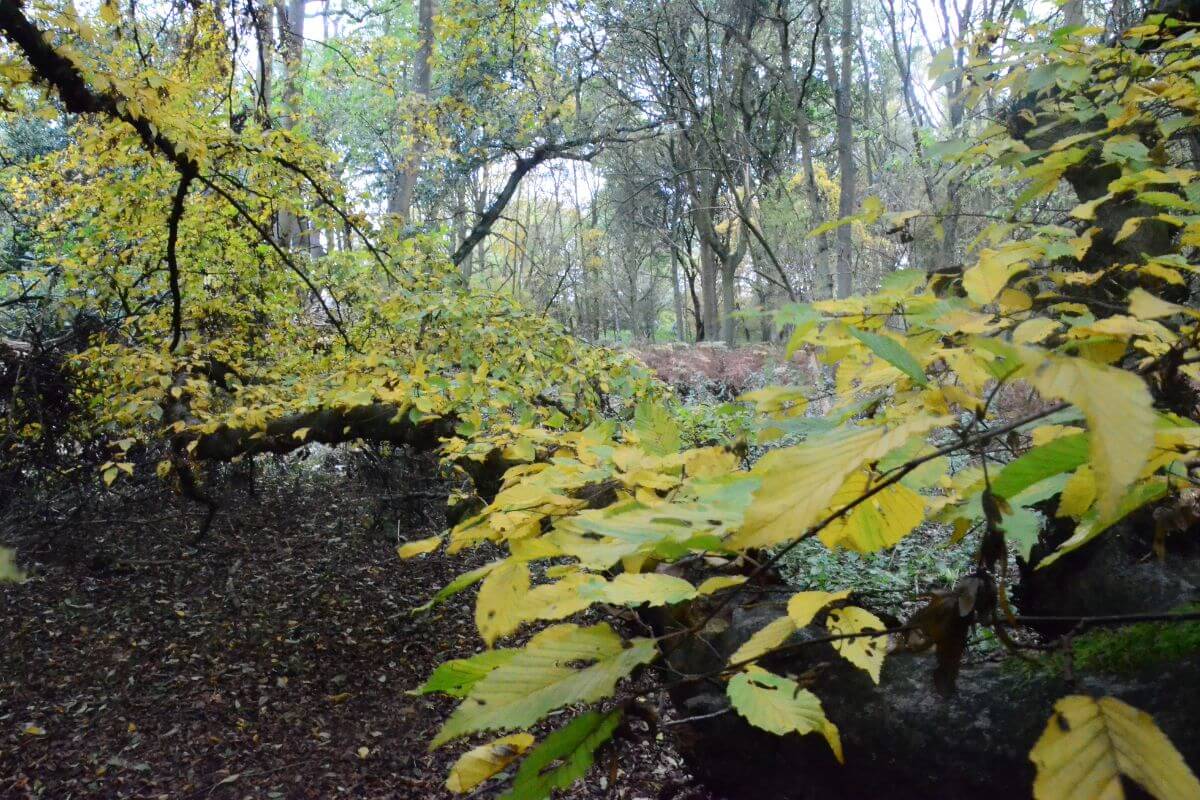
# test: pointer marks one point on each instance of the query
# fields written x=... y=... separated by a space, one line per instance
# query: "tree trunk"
x=422 y=85
x=677 y=299
x=708 y=289
x=290 y=15
x=840 y=81
x=264 y=31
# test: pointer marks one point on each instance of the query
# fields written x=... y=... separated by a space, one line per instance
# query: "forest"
x=639 y=399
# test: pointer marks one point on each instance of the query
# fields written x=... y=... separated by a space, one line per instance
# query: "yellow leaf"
x=709 y=462
x=653 y=588
x=1119 y=413
x=803 y=606
x=864 y=652
x=1014 y=300
x=876 y=523
x=300 y=434
x=477 y=765
x=764 y=640
x=498 y=609
x=1144 y=305
x=1088 y=744
x=419 y=547
x=1129 y=228
x=1034 y=330
x=1087 y=211
x=1078 y=493
x=719 y=582
x=995 y=268
x=797 y=483
x=1162 y=272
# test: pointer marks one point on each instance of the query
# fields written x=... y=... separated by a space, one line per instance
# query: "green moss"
x=1127 y=650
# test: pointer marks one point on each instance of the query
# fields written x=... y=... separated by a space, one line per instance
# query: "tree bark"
x=402 y=198
x=290 y=15
x=840 y=81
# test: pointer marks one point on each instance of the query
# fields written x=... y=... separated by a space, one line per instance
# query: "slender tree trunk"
x=1073 y=13
x=677 y=299
x=291 y=35
x=823 y=283
x=825 y=286
x=264 y=31
x=708 y=289
x=840 y=81
x=422 y=86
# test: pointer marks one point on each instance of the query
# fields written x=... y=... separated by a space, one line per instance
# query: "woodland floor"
x=269 y=662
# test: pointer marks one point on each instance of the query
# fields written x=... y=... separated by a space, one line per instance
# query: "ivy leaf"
x=478 y=764
x=572 y=748
x=864 y=652
x=1120 y=418
x=892 y=352
x=561 y=666
x=1022 y=528
x=780 y=706
x=1088 y=744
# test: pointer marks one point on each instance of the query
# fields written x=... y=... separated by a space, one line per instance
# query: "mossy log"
x=902 y=739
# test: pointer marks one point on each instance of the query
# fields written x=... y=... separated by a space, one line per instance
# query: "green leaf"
x=1063 y=454
x=780 y=706
x=462 y=582
x=456 y=677
x=8 y=567
x=561 y=666
x=892 y=352
x=572 y=748
x=1022 y=528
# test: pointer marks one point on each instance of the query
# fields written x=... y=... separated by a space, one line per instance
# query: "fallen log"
x=902 y=739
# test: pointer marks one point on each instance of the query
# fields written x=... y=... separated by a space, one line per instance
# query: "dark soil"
x=270 y=661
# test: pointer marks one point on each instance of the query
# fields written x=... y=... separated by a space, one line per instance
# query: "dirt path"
x=272 y=663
